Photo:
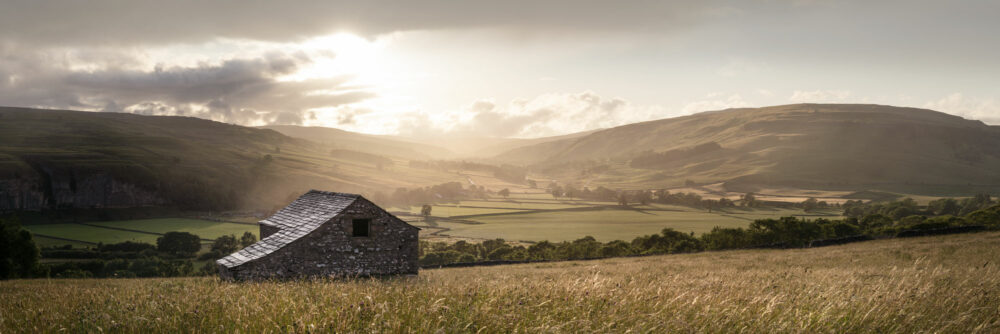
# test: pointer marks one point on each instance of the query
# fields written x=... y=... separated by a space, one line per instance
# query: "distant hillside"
x=450 y=146
x=386 y=145
x=58 y=158
x=804 y=145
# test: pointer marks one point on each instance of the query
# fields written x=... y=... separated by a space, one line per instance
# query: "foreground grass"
x=933 y=284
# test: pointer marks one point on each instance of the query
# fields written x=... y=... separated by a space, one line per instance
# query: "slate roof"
x=294 y=221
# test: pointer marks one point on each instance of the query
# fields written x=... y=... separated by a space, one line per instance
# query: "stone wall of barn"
x=331 y=251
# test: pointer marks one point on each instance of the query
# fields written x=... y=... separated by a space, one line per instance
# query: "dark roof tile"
x=296 y=220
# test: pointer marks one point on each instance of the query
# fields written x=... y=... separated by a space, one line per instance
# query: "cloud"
x=820 y=96
x=984 y=109
x=544 y=115
x=103 y=22
x=246 y=91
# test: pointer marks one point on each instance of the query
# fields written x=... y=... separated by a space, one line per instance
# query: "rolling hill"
x=73 y=159
x=448 y=146
x=813 y=146
x=386 y=145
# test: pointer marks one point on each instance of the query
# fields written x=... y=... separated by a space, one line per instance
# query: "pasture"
x=140 y=230
x=535 y=218
x=930 y=284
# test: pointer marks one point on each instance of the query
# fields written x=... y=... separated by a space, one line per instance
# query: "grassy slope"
x=528 y=217
x=806 y=146
x=180 y=156
x=932 y=284
x=385 y=145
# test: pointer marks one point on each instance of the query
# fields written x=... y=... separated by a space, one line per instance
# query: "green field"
x=50 y=242
x=115 y=231
x=946 y=284
x=549 y=219
x=89 y=233
x=605 y=225
x=524 y=220
x=202 y=228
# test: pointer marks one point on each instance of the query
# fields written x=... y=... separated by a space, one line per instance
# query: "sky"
x=501 y=68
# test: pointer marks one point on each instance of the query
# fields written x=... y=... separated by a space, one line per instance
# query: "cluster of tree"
x=784 y=232
x=151 y=266
x=571 y=191
x=669 y=241
x=906 y=207
x=504 y=172
x=644 y=197
x=228 y=244
x=662 y=196
x=18 y=252
x=651 y=159
x=445 y=192
x=173 y=255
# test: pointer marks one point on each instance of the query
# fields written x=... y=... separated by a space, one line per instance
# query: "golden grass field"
x=946 y=284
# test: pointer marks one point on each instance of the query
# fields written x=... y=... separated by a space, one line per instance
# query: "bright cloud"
x=985 y=109
x=820 y=96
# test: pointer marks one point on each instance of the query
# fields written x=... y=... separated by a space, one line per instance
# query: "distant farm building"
x=326 y=234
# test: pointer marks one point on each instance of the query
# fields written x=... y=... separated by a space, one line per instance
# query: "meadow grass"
x=606 y=225
x=50 y=242
x=205 y=229
x=931 y=284
x=89 y=233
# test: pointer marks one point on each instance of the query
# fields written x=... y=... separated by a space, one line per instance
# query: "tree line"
x=509 y=173
x=440 y=193
x=785 y=232
x=174 y=254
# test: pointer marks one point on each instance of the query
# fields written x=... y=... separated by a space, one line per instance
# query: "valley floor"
x=929 y=284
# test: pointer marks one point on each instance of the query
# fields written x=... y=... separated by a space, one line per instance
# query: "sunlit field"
x=528 y=217
x=931 y=284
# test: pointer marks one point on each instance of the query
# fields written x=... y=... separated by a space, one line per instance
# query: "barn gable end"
x=314 y=237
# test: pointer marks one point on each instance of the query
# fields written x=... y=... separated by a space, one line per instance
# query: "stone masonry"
x=313 y=237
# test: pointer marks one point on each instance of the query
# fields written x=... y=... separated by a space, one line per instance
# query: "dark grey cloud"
x=67 y=22
x=242 y=91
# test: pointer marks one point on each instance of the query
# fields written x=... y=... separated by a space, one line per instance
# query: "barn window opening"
x=360 y=228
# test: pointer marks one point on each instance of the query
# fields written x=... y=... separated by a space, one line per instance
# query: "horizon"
x=469 y=135
x=503 y=70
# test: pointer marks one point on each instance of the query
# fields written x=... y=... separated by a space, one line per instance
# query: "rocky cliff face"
x=71 y=190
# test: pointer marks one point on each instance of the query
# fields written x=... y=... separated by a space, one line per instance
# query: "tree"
x=748 y=200
x=18 y=252
x=179 y=243
x=225 y=244
x=532 y=184
x=504 y=192
x=557 y=191
x=623 y=199
x=570 y=191
x=944 y=206
x=644 y=197
x=248 y=239
x=426 y=210
x=810 y=204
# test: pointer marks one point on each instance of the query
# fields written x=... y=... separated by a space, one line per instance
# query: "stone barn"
x=326 y=234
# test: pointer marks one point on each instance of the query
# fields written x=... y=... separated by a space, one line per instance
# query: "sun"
x=344 y=54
